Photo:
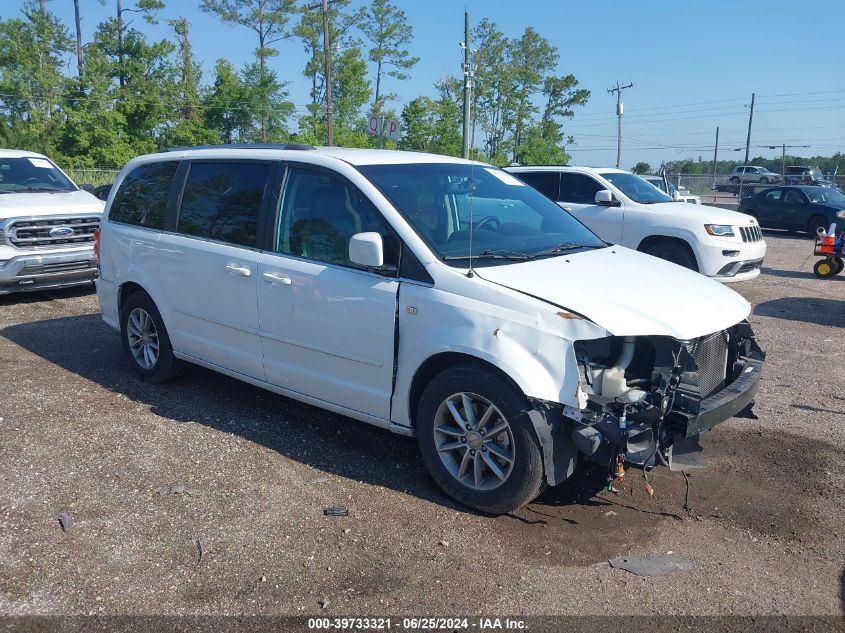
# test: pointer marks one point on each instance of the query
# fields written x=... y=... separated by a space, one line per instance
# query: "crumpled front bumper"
x=726 y=403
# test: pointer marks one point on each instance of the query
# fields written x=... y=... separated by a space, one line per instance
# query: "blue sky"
x=694 y=66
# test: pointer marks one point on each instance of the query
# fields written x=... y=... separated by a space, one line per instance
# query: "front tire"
x=477 y=440
x=816 y=222
x=145 y=340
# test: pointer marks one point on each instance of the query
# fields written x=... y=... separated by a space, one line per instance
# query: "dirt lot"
x=245 y=532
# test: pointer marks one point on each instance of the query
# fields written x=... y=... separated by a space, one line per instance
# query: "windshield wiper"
x=43 y=189
x=511 y=255
x=565 y=247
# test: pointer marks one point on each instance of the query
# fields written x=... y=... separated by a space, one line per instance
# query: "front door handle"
x=276 y=278
x=235 y=269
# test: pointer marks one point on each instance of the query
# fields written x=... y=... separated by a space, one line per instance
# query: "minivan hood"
x=38 y=204
x=703 y=212
x=626 y=292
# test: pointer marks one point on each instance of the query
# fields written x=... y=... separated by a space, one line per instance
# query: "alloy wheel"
x=474 y=441
x=143 y=338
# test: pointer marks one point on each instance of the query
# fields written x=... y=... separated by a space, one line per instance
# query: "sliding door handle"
x=276 y=278
x=236 y=269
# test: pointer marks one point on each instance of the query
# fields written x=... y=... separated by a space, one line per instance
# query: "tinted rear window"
x=141 y=199
x=546 y=182
x=221 y=201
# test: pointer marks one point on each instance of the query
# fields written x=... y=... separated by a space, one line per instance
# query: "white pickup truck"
x=47 y=225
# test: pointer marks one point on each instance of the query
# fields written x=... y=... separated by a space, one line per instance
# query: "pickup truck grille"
x=711 y=355
x=47 y=232
x=52 y=269
x=751 y=233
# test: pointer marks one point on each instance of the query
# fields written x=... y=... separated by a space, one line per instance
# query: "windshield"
x=636 y=188
x=27 y=174
x=509 y=219
x=823 y=195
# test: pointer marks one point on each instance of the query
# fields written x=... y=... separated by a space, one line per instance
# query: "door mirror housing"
x=605 y=198
x=366 y=249
x=87 y=187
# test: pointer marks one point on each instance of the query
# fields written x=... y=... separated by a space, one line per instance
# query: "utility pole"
x=748 y=138
x=328 y=54
x=467 y=67
x=79 y=57
x=715 y=155
x=619 y=111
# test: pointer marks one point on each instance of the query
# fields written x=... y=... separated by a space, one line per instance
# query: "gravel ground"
x=206 y=496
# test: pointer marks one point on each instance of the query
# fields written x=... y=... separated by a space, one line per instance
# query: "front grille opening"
x=711 y=356
x=36 y=233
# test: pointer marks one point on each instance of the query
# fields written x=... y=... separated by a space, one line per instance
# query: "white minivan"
x=625 y=209
x=428 y=295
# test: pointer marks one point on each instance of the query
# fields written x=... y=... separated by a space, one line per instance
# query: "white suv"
x=47 y=225
x=428 y=295
x=622 y=208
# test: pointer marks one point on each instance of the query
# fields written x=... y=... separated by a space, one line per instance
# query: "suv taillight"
x=97 y=245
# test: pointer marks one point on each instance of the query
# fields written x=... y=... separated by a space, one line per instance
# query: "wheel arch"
x=437 y=364
x=651 y=240
x=125 y=290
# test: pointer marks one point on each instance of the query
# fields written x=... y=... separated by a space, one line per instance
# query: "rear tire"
x=838 y=265
x=674 y=252
x=735 y=180
x=146 y=342
x=488 y=470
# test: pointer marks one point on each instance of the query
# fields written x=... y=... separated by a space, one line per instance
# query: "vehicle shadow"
x=842 y=590
x=40 y=296
x=807 y=309
x=796 y=274
x=332 y=443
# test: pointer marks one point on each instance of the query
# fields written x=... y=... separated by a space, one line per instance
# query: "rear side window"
x=221 y=201
x=546 y=182
x=773 y=195
x=141 y=199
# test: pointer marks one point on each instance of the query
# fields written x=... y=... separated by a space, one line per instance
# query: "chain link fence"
x=708 y=185
x=92 y=176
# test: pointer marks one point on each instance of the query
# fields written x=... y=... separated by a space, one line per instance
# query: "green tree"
x=31 y=80
x=350 y=88
x=225 y=104
x=94 y=133
x=431 y=125
x=267 y=104
x=146 y=76
x=268 y=19
x=387 y=29
x=641 y=168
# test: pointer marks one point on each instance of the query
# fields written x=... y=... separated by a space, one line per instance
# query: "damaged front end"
x=649 y=397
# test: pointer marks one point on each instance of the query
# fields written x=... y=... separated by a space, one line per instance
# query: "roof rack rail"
x=296 y=146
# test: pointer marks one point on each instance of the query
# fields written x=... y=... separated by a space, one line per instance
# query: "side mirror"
x=87 y=187
x=605 y=198
x=676 y=195
x=366 y=249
